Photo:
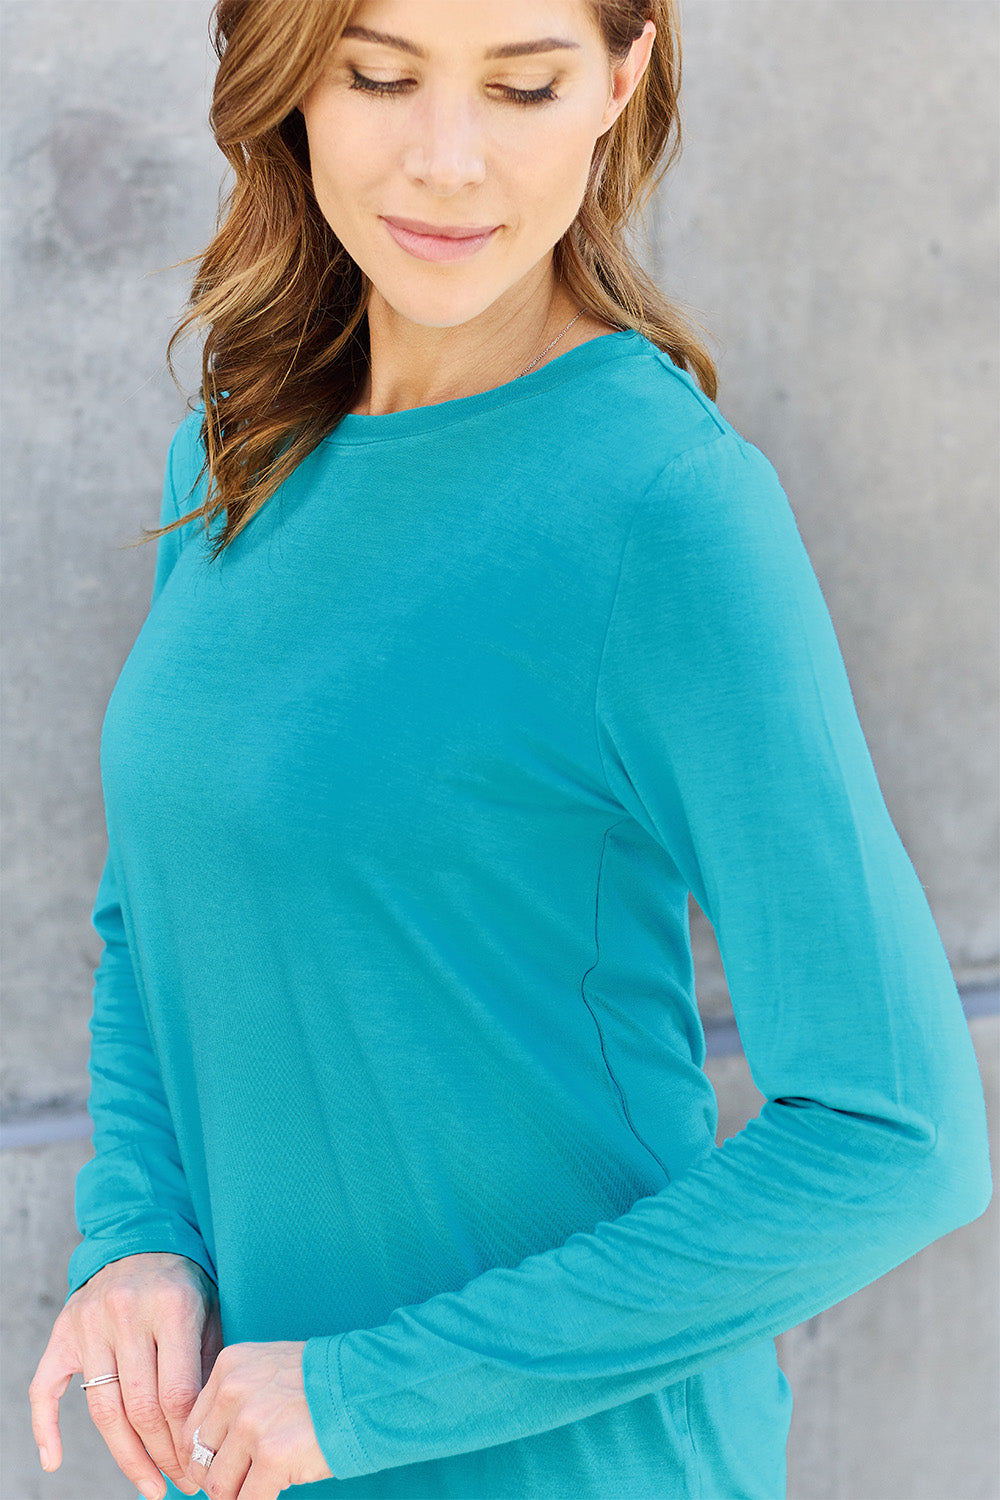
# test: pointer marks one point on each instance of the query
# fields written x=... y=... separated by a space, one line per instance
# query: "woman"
x=479 y=639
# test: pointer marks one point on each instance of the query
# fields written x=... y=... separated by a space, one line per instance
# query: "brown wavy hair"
x=283 y=306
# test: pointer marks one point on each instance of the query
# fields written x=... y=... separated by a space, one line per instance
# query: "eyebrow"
x=509 y=49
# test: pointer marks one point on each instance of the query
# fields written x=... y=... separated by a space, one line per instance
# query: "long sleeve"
x=131 y=1196
x=727 y=730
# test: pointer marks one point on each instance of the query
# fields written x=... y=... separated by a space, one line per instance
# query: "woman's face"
x=459 y=139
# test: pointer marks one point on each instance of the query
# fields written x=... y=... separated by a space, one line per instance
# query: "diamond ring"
x=199 y=1453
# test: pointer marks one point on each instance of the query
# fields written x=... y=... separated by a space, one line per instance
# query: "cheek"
x=556 y=169
x=344 y=148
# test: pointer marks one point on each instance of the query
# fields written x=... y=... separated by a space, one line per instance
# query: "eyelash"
x=516 y=96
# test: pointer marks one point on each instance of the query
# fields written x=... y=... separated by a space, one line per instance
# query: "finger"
x=56 y=1368
x=139 y=1384
x=229 y=1467
x=107 y=1411
x=199 y=1420
x=179 y=1380
x=258 y=1484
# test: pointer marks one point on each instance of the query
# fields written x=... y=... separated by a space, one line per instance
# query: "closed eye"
x=397 y=86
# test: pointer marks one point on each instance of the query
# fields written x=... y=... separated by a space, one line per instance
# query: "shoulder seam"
x=692 y=385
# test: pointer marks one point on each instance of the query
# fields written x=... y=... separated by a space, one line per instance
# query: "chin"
x=445 y=309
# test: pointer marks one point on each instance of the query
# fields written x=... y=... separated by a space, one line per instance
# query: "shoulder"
x=693 y=471
x=651 y=409
x=668 y=434
x=184 y=484
x=185 y=459
x=709 y=517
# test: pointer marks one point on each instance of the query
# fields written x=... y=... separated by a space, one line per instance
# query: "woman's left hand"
x=253 y=1413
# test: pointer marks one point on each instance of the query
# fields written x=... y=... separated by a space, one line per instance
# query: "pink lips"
x=452 y=246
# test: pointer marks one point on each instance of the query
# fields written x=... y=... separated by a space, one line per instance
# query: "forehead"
x=492 y=29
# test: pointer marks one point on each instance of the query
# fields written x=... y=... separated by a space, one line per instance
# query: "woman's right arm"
x=131 y=1196
x=142 y=1283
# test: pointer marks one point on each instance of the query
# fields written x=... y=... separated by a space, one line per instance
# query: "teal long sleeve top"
x=394 y=1027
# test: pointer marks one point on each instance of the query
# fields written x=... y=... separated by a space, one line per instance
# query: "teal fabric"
x=395 y=1030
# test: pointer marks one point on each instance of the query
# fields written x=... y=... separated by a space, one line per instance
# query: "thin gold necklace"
x=545 y=351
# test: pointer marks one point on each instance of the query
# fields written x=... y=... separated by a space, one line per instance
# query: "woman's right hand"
x=153 y=1318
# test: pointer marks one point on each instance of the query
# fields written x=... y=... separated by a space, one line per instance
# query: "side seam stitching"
x=623 y=1101
x=690 y=1432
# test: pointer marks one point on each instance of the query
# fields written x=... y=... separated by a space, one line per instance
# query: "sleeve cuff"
x=328 y=1409
x=94 y=1253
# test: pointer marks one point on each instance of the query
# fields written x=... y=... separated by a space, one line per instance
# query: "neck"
x=414 y=365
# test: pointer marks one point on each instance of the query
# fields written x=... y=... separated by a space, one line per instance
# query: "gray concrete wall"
x=833 y=221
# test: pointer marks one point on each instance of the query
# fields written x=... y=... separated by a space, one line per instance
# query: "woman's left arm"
x=728 y=730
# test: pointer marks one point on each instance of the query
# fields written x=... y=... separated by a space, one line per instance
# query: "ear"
x=625 y=77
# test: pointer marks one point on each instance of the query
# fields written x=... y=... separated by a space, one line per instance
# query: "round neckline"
x=358 y=427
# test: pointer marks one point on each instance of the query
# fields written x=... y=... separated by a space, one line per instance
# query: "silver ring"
x=199 y=1453
x=98 y=1380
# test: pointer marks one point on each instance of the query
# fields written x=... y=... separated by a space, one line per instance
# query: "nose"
x=446 y=148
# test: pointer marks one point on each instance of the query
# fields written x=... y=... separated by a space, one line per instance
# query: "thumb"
x=56 y=1369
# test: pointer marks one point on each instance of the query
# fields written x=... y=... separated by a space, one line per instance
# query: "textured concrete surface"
x=109 y=175
x=833 y=221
